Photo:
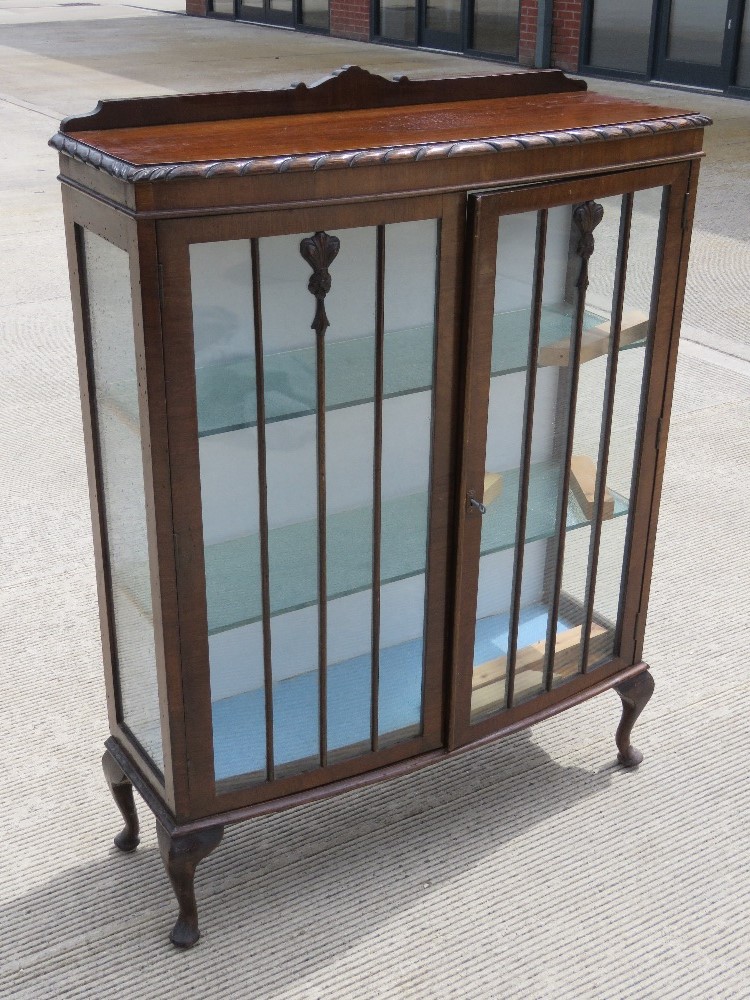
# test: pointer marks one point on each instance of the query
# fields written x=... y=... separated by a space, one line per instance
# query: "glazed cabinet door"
x=571 y=303
x=310 y=383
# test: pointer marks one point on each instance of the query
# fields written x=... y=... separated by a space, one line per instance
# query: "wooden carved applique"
x=586 y=217
x=320 y=251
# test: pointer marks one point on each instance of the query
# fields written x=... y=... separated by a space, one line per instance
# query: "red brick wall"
x=350 y=19
x=527 y=32
x=198 y=8
x=566 y=33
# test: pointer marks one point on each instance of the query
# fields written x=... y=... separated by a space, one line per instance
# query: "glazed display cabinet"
x=376 y=381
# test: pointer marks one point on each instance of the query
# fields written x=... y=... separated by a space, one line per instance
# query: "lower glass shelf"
x=233 y=593
x=239 y=721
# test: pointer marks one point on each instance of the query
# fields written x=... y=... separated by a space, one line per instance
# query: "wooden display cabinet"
x=376 y=381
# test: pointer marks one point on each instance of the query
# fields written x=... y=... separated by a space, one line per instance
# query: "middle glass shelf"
x=233 y=594
x=226 y=390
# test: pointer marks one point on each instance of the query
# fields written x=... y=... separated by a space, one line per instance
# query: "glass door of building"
x=312 y=14
x=697 y=42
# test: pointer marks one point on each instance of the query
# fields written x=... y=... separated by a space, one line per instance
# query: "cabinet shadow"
x=288 y=894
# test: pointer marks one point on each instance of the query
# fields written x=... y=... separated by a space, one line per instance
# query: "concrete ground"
x=531 y=869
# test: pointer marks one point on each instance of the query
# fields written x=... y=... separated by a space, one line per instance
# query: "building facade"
x=702 y=43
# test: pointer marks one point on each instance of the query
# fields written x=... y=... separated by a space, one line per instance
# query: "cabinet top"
x=352 y=118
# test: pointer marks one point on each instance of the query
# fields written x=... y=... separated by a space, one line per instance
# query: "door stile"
x=190 y=570
x=482 y=225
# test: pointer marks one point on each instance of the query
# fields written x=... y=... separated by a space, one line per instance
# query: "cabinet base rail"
x=184 y=845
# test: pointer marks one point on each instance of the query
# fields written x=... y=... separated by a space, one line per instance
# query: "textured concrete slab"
x=533 y=869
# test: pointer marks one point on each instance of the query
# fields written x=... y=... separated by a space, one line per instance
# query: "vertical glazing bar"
x=260 y=400
x=376 y=486
x=320 y=251
x=614 y=349
x=320 y=436
x=536 y=320
x=586 y=217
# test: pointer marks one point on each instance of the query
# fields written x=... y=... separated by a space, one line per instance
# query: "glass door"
x=312 y=14
x=315 y=468
x=267 y=11
x=441 y=24
x=697 y=42
x=565 y=296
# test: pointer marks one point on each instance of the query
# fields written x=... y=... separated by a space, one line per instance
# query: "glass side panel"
x=696 y=31
x=587 y=439
x=107 y=270
x=222 y=294
x=410 y=249
x=398 y=19
x=637 y=328
x=495 y=27
x=620 y=35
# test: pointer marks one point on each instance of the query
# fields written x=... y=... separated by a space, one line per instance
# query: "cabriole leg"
x=635 y=694
x=122 y=792
x=181 y=856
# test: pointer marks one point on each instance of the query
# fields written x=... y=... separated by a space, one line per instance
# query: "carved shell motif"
x=587 y=217
x=320 y=251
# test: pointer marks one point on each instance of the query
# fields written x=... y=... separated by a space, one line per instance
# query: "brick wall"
x=350 y=19
x=566 y=33
x=527 y=32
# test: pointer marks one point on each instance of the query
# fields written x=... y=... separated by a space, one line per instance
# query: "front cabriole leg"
x=635 y=694
x=122 y=792
x=181 y=856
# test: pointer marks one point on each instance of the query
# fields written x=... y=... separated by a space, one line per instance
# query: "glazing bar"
x=320 y=420
x=609 y=396
x=528 y=418
x=585 y=219
x=376 y=486
x=260 y=402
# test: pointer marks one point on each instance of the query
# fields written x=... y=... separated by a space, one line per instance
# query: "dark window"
x=620 y=33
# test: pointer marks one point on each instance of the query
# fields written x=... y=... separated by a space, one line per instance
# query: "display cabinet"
x=376 y=381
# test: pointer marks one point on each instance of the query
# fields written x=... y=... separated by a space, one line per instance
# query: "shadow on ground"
x=273 y=891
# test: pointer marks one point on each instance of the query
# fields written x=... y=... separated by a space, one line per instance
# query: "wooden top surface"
x=370 y=128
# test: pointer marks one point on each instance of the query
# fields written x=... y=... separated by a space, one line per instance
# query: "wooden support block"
x=595 y=342
x=531 y=658
x=634 y=327
x=583 y=485
x=493 y=487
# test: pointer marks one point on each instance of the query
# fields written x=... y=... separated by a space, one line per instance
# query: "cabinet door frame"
x=174 y=238
x=486 y=208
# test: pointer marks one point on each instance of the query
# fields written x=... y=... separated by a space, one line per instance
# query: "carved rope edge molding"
x=368 y=157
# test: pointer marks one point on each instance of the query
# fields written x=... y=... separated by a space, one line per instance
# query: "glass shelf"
x=226 y=392
x=233 y=594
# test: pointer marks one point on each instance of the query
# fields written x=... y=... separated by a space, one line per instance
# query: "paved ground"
x=533 y=869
